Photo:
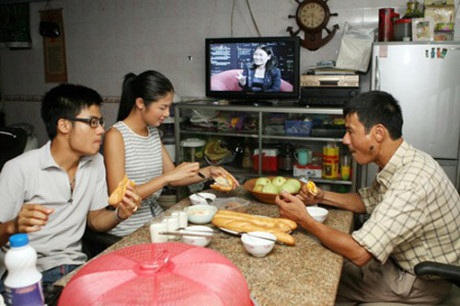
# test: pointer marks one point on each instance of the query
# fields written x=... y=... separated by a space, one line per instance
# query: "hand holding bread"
x=310 y=188
x=223 y=183
x=117 y=195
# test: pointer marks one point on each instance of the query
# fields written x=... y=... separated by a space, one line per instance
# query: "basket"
x=268 y=198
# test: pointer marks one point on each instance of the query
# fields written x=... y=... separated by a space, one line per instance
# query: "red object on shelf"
x=386 y=21
x=269 y=160
x=169 y=273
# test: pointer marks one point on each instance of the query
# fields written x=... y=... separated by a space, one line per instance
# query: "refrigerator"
x=425 y=78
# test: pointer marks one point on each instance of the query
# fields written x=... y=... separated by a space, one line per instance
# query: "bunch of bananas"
x=214 y=151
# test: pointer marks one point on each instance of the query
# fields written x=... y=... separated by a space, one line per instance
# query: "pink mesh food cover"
x=168 y=273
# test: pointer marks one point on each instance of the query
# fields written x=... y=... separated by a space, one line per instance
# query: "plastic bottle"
x=23 y=281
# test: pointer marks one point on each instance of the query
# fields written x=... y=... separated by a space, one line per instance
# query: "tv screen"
x=253 y=69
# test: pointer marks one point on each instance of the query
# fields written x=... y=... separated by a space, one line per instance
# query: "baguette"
x=244 y=226
x=292 y=225
x=283 y=224
x=257 y=220
x=117 y=195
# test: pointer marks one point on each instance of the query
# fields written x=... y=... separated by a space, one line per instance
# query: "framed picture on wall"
x=422 y=29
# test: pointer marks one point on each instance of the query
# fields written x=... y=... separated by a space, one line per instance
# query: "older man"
x=414 y=211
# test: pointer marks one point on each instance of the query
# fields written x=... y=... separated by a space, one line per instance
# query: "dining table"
x=306 y=273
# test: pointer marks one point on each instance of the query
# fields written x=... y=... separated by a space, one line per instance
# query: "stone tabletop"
x=304 y=274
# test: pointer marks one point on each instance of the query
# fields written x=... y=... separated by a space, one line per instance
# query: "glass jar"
x=192 y=149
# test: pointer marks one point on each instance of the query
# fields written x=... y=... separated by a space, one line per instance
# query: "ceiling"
x=19 y=1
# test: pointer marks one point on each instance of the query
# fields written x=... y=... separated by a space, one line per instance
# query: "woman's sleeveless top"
x=143 y=162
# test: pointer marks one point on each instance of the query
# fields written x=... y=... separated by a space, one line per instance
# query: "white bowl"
x=201 y=213
x=197 y=200
x=197 y=240
x=318 y=213
x=258 y=247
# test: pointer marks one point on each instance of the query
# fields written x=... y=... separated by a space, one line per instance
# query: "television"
x=233 y=69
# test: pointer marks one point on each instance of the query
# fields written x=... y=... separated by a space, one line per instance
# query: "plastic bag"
x=355 y=48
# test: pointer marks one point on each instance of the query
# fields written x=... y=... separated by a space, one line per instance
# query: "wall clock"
x=312 y=17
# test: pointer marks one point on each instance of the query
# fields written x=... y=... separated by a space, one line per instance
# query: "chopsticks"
x=189 y=233
x=260 y=237
x=255 y=236
x=199 y=233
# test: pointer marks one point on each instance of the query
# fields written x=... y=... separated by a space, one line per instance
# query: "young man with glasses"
x=53 y=192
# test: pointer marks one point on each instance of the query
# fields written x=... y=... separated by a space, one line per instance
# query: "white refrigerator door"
x=424 y=78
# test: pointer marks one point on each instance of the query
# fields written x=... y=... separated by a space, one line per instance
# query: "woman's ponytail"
x=127 y=97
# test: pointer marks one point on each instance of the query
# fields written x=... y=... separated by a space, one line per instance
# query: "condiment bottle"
x=23 y=281
x=412 y=10
x=247 y=160
x=330 y=161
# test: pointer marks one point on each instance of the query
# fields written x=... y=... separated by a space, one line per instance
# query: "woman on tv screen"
x=263 y=73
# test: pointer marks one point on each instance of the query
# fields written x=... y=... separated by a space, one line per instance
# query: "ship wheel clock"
x=312 y=17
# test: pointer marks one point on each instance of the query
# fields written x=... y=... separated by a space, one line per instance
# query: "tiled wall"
x=105 y=39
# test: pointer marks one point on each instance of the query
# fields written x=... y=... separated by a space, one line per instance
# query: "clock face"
x=312 y=15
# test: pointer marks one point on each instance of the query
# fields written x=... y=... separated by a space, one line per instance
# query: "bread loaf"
x=244 y=226
x=256 y=220
x=242 y=222
x=284 y=225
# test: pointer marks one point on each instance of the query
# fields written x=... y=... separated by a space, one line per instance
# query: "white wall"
x=105 y=39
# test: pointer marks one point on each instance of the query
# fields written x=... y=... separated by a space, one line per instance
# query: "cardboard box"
x=309 y=170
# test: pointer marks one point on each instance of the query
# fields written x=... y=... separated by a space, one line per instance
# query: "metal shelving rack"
x=259 y=136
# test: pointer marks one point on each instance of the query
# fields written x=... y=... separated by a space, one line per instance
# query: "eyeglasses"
x=94 y=122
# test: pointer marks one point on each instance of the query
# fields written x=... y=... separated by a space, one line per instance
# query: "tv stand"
x=265 y=103
x=254 y=103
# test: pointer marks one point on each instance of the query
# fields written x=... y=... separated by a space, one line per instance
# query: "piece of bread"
x=117 y=195
x=223 y=183
x=310 y=187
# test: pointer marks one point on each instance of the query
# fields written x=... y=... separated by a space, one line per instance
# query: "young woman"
x=262 y=74
x=133 y=147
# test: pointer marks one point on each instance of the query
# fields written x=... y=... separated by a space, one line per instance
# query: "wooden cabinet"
x=267 y=130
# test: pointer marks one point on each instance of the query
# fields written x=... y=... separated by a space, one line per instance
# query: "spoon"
x=208 y=200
